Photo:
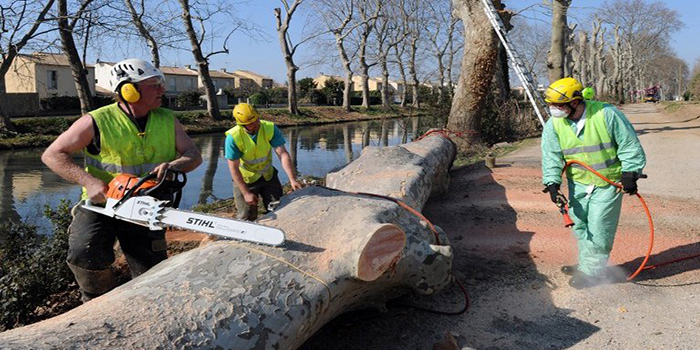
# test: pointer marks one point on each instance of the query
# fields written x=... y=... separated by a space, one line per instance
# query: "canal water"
x=27 y=185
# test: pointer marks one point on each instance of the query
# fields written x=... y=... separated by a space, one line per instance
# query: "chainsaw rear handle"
x=176 y=182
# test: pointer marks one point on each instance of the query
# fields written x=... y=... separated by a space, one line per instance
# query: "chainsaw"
x=151 y=203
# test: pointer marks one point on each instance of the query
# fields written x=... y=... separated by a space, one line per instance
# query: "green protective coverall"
x=595 y=209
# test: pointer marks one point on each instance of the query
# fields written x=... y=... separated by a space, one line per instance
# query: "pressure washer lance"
x=563 y=205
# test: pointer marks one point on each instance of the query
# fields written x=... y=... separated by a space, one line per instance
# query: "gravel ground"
x=509 y=245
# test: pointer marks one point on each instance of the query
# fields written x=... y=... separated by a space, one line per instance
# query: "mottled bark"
x=581 y=59
x=557 y=50
x=399 y=62
x=202 y=62
x=342 y=52
x=343 y=252
x=10 y=52
x=137 y=20
x=596 y=58
x=478 y=66
x=369 y=20
x=288 y=51
x=412 y=70
x=568 y=56
x=78 y=70
x=501 y=78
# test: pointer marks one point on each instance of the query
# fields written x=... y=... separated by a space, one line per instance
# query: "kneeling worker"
x=249 y=148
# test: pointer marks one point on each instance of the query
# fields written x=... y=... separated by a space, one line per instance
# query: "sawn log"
x=344 y=251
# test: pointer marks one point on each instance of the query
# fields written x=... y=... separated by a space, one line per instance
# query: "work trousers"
x=269 y=191
x=91 y=249
x=596 y=216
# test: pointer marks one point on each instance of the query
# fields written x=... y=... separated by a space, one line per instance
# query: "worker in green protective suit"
x=601 y=136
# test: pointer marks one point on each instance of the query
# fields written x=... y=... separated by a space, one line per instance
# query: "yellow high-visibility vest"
x=123 y=149
x=256 y=161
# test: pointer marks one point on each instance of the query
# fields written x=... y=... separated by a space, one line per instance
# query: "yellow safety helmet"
x=245 y=113
x=563 y=91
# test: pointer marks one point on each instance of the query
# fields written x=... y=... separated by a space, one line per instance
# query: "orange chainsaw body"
x=122 y=183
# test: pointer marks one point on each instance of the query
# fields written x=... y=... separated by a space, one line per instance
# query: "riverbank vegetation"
x=41 y=131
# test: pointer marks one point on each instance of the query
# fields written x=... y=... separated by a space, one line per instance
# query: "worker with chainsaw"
x=135 y=136
x=249 y=147
x=602 y=137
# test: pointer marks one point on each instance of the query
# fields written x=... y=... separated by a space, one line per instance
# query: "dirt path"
x=509 y=245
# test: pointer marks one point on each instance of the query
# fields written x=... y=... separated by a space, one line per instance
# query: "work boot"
x=569 y=270
x=580 y=280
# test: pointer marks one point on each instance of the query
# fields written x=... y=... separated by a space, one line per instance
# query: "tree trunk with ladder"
x=478 y=67
x=344 y=251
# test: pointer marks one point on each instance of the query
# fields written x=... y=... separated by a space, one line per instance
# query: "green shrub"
x=191 y=117
x=60 y=103
x=277 y=95
x=305 y=89
x=318 y=98
x=101 y=101
x=44 y=126
x=188 y=99
x=333 y=89
x=258 y=99
x=32 y=268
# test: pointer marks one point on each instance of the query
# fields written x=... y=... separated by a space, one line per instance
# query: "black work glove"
x=629 y=182
x=553 y=190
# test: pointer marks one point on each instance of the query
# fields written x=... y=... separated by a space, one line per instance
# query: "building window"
x=52 y=82
x=190 y=83
x=172 y=84
x=379 y=86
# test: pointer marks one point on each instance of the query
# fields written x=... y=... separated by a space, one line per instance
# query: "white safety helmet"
x=132 y=70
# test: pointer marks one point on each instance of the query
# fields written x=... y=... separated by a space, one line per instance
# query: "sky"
x=262 y=53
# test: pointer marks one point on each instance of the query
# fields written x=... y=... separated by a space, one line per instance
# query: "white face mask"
x=557 y=113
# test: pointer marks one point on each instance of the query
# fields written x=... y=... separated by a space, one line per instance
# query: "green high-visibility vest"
x=123 y=149
x=256 y=161
x=595 y=149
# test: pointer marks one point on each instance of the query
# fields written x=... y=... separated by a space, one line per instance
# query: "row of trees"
x=396 y=36
x=624 y=50
x=35 y=25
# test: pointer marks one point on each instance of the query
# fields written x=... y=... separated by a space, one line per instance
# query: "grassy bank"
x=40 y=132
x=676 y=106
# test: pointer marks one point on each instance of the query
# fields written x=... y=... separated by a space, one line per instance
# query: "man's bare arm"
x=190 y=157
x=58 y=157
x=287 y=166
x=239 y=182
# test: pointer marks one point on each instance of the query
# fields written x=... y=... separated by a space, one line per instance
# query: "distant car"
x=650 y=98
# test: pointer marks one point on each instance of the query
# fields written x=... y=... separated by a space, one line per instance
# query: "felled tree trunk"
x=344 y=251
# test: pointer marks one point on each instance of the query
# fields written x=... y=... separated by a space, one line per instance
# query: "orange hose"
x=644 y=205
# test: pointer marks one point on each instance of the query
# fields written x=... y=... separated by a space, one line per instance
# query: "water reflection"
x=27 y=185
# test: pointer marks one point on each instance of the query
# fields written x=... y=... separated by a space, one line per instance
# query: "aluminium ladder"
x=518 y=66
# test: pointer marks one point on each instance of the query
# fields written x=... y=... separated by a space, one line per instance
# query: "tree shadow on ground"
x=668 y=122
x=510 y=301
x=663 y=129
